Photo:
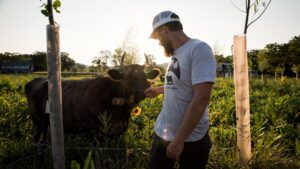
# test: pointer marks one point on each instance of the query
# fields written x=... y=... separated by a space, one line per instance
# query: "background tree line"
x=277 y=59
x=39 y=60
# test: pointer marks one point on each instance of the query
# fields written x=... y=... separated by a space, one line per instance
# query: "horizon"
x=88 y=28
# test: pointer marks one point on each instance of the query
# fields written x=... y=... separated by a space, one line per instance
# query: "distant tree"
x=294 y=50
x=67 y=63
x=93 y=69
x=252 y=59
x=278 y=56
x=39 y=60
x=80 y=67
x=116 y=57
x=296 y=69
x=228 y=59
x=263 y=62
x=262 y=66
x=101 y=62
x=13 y=57
x=129 y=45
x=279 y=69
x=219 y=58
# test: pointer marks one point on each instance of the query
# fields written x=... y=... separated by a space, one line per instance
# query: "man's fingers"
x=147 y=92
x=169 y=155
x=172 y=156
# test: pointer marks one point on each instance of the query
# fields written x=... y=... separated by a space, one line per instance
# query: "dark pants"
x=194 y=155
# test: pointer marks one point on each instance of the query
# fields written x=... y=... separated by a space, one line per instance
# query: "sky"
x=87 y=27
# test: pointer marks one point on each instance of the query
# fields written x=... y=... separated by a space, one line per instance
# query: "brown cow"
x=84 y=100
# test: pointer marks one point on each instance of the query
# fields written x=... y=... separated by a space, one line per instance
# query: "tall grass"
x=275 y=130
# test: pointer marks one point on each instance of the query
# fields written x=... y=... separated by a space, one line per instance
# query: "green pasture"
x=275 y=130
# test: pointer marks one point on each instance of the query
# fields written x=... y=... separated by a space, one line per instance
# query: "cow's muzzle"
x=138 y=96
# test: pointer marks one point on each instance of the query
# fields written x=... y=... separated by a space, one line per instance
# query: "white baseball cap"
x=163 y=18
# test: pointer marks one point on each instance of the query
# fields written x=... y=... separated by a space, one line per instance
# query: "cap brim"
x=153 y=35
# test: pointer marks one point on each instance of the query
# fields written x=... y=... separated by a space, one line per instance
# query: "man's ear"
x=115 y=74
x=153 y=73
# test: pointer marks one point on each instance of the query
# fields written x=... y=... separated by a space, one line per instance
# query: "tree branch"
x=252 y=4
x=237 y=7
x=247 y=16
x=51 y=17
x=260 y=14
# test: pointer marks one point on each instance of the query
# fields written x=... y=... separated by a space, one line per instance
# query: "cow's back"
x=84 y=100
x=34 y=85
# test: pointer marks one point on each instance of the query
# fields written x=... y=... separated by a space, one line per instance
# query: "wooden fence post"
x=241 y=83
x=54 y=96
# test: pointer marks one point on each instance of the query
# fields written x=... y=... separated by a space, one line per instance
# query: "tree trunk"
x=241 y=82
x=247 y=16
x=50 y=9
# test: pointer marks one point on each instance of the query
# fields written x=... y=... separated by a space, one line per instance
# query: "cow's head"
x=134 y=78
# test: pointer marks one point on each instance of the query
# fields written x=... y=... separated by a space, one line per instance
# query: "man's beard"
x=169 y=50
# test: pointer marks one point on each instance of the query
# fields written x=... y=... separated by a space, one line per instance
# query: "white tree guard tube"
x=55 y=98
x=241 y=83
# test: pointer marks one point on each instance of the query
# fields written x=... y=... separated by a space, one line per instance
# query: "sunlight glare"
x=150 y=46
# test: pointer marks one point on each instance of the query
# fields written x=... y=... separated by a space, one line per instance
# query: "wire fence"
x=42 y=151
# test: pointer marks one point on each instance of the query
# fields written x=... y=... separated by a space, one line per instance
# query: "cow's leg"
x=37 y=131
x=45 y=127
x=38 y=122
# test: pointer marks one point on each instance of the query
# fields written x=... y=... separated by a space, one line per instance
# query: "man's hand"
x=153 y=92
x=174 y=150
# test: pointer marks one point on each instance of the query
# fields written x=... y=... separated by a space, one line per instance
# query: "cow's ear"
x=153 y=73
x=115 y=74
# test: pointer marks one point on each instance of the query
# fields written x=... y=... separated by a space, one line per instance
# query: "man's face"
x=165 y=42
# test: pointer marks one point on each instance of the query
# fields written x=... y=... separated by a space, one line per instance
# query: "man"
x=181 y=130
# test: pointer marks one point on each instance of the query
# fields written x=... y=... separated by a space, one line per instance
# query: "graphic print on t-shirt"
x=173 y=71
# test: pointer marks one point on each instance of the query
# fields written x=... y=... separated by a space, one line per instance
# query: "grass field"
x=275 y=130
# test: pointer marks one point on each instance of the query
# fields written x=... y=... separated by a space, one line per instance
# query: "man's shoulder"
x=199 y=43
x=200 y=46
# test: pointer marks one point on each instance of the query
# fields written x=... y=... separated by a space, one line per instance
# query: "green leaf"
x=87 y=160
x=45 y=12
x=43 y=5
x=255 y=8
x=75 y=165
x=297 y=143
x=92 y=165
x=58 y=11
x=56 y=5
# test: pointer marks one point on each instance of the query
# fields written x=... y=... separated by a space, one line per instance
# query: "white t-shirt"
x=192 y=63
